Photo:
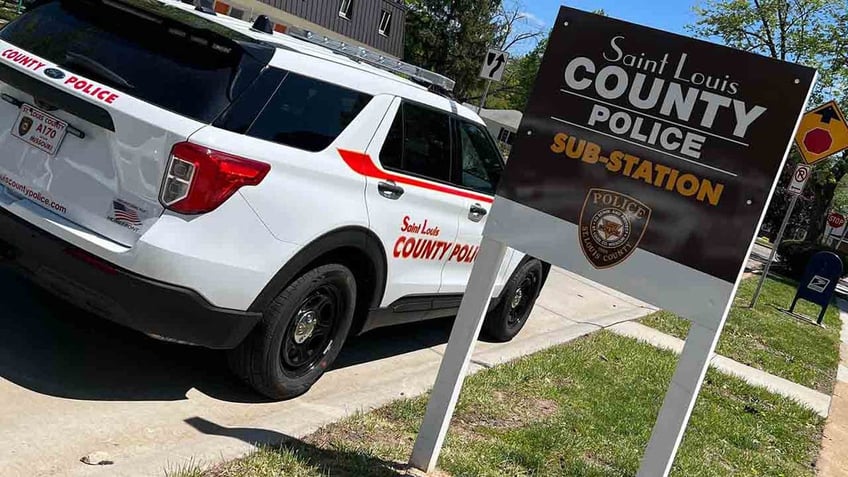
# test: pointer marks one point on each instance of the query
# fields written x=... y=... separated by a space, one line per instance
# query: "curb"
x=810 y=398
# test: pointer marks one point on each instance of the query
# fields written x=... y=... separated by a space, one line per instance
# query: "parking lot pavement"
x=72 y=384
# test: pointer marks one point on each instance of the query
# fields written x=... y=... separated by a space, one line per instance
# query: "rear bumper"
x=155 y=308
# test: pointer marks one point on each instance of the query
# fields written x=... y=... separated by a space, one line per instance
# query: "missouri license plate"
x=39 y=129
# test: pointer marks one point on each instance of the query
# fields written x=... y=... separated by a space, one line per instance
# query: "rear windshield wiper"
x=76 y=59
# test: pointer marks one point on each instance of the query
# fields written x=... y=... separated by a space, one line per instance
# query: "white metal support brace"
x=454 y=365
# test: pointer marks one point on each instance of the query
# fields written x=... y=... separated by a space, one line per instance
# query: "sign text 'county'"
x=693 y=131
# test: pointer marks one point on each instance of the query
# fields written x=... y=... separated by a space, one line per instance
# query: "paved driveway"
x=72 y=384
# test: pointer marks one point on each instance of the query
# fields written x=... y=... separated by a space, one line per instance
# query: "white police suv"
x=209 y=181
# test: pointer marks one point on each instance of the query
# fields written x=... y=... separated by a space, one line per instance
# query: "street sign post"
x=819 y=282
x=822 y=133
x=835 y=220
x=756 y=297
x=796 y=188
x=638 y=150
x=799 y=179
x=839 y=221
x=494 y=65
x=493 y=69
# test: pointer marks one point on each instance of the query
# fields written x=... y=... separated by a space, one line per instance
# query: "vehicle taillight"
x=199 y=179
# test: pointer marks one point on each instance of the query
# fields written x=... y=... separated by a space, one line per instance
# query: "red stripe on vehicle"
x=363 y=164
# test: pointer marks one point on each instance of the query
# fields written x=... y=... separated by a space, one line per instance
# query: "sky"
x=670 y=15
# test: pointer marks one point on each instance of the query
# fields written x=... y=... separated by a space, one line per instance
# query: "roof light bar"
x=374 y=58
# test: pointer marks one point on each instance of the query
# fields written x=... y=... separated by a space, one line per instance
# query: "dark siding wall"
x=363 y=24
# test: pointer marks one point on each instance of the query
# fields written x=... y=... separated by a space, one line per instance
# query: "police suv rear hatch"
x=96 y=93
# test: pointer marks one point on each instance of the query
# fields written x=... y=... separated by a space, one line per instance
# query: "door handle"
x=476 y=213
x=390 y=190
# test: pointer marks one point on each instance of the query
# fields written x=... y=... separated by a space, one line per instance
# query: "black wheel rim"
x=520 y=302
x=312 y=329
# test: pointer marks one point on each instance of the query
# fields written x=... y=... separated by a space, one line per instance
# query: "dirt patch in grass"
x=516 y=410
x=523 y=419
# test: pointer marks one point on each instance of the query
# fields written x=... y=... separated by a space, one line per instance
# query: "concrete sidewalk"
x=833 y=458
x=815 y=400
x=48 y=421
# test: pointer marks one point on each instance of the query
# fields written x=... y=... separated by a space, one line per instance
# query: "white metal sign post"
x=493 y=69
x=796 y=188
x=842 y=237
x=773 y=252
x=454 y=365
x=627 y=169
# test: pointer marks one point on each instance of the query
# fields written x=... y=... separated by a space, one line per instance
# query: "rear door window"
x=154 y=52
x=307 y=113
x=419 y=143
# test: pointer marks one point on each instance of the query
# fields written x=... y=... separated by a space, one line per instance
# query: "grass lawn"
x=582 y=409
x=767 y=339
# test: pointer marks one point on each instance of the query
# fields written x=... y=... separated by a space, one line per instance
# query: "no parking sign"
x=799 y=179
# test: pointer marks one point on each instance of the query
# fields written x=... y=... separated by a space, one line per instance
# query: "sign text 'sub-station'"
x=689 y=134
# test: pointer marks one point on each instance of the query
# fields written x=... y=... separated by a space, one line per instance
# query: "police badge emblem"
x=611 y=226
x=24 y=126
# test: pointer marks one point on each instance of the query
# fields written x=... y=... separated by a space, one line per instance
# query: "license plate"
x=39 y=129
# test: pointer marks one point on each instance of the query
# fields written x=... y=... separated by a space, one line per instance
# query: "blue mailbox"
x=819 y=281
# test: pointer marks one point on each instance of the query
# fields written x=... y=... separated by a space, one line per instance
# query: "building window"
x=505 y=136
x=385 y=23
x=237 y=13
x=346 y=9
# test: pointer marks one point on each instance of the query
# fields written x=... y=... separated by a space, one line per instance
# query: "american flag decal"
x=124 y=214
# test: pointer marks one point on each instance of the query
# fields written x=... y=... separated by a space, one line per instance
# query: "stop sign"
x=818 y=140
x=835 y=220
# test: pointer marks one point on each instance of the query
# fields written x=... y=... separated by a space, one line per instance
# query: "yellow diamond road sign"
x=822 y=133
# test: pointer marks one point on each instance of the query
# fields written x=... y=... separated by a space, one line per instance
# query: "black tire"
x=300 y=334
x=517 y=299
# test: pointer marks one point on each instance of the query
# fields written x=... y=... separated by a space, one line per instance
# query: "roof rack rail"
x=374 y=58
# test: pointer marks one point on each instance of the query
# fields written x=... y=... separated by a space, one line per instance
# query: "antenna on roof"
x=376 y=59
x=263 y=24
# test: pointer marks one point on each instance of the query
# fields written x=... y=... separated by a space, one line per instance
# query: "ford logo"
x=54 y=73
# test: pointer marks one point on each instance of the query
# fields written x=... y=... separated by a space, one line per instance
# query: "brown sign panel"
x=682 y=137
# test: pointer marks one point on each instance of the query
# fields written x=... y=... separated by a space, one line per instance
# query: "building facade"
x=503 y=125
x=377 y=24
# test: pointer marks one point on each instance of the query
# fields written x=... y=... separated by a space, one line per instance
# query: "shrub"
x=795 y=255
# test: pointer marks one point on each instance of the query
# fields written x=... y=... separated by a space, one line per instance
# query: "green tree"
x=808 y=32
x=450 y=37
x=840 y=197
x=520 y=76
x=518 y=81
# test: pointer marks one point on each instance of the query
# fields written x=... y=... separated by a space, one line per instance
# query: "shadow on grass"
x=333 y=462
x=779 y=276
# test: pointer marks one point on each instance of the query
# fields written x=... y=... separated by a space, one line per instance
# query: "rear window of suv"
x=157 y=53
x=302 y=112
x=307 y=113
